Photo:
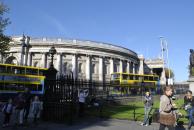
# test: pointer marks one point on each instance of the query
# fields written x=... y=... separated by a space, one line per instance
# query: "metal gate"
x=59 y=100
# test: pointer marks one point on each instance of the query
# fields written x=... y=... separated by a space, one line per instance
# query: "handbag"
x=167 y=119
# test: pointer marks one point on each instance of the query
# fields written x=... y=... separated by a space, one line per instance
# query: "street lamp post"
x=51 y=73
x=52 y=51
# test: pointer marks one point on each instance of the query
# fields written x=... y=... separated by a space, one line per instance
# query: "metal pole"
x=52 y=55
x=169 y=72
x=163 y=76
x=161 y=42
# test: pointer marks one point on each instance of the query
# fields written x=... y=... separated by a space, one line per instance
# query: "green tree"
x=4 y=40
x=167 y=71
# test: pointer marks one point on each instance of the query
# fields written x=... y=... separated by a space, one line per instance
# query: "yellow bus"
x=134 y=80
x=14 y=79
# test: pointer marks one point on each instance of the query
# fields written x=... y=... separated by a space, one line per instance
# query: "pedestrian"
x=7 y=110
x=19 y=103
x=27 y=98
x=148 y=103
x=82 y=99
x=188 y=102
x=36 y=108
x=189 y=108
x=191 y=118
x=167 y=117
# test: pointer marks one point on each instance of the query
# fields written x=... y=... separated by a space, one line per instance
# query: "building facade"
x=84 y=59
x=156 y=66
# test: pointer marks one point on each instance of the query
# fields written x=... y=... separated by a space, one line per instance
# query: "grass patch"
x=127 y=111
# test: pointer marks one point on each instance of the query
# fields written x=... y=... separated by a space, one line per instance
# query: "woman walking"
x=167 y=117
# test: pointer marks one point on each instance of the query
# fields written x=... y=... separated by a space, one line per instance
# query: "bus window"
x=9 y=69
x=2 y=69
x=146 y=78
x=131 y=77
x=30 y=71
x=136 y=77
x=20 y=70
x=151 y=78
x=156 y=78
x=41 y=72
x=15 y=70
x=115 y=76
x=125 y=77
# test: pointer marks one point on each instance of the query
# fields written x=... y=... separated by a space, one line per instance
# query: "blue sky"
x=134 y=24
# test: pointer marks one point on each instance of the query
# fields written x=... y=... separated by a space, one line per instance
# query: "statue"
x=191 y=61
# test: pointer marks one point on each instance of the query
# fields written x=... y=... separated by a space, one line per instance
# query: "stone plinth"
x=191 y=84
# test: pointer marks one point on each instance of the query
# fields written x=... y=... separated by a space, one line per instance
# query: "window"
x=115 y=76
x=65 y=67
x=131 y=77
x=105 y=69
x=156 y=78
x=151 y=78
x=124 y=68
x=93 y=68
x=146 y=78
x=80 y=68
x=131 y=67
x=115 y=68
x=125 y=76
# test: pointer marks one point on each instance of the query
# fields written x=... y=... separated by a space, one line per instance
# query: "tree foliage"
x=167 y=71
x=4 y=40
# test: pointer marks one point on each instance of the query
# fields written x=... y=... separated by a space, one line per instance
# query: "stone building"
x=85 y=59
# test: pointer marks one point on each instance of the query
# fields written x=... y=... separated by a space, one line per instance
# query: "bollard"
x=134 y=112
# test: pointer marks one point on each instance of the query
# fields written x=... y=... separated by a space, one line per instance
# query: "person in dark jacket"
x=19 y=103
x=7 y=110
x=148 y=103
x=27 y=98
x=189 y=107
x=188 y=101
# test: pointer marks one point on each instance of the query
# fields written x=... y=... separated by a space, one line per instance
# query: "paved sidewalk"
x=89 y=124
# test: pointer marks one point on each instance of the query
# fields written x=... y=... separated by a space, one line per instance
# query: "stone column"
x=88 y=68
x=128 y=67
x=48 y=61
x=121 y=66
x=30 y=54
x=74 y=66
x=101 y=70
x=133 y=67
x=24 y=59
x=22 y=50
x=59 y=62
x=141 y=64
x=111 y=65
x=45 y=60
x=22 y=56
